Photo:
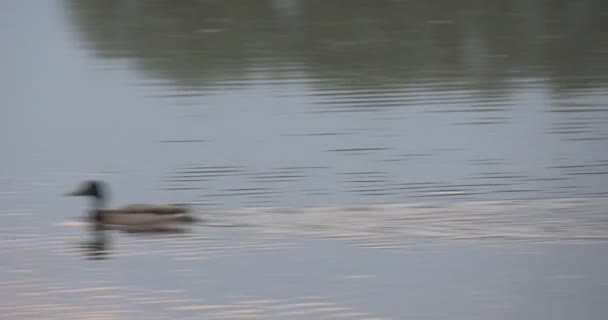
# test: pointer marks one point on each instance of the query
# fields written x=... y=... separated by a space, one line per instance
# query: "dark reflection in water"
x=98 y=244
x=356 y=44
x=97 y=247
x=381 y=101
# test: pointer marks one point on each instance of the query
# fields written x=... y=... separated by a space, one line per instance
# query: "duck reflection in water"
x=97 y=248
x=98 y=245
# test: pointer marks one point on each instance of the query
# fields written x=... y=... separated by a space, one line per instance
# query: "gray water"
x=347 y=156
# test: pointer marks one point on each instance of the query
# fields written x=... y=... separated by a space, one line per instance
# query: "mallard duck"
x=130 y=215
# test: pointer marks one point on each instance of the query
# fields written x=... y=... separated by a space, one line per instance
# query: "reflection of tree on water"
x=353 y=43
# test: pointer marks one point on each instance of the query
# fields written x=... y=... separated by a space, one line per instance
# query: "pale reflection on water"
x=351 y=159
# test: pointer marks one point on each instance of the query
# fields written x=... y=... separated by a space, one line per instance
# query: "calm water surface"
x=354 y=160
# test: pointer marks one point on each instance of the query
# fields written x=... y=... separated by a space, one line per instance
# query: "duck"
x=129 y=215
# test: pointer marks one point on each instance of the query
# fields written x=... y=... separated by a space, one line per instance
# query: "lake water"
x=352 y=159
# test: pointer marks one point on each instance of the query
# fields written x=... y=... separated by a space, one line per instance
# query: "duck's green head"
x=89 y=188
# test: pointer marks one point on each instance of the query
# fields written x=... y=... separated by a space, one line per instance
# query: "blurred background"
x=384 y=159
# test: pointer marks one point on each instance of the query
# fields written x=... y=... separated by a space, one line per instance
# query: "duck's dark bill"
x=74 y=193
x=82 y=190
